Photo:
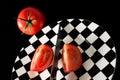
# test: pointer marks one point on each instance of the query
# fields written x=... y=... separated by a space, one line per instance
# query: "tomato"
x=71 y=58
x=30 y=20
x=42 y=58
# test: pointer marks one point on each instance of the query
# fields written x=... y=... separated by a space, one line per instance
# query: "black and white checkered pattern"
x=97 y=48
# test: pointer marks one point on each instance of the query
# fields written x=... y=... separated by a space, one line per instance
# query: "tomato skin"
x=42 y=58
x=71 y=58
x=34 y=14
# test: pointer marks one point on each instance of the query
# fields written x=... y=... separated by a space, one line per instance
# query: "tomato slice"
x=42 y=58
x=71 y=58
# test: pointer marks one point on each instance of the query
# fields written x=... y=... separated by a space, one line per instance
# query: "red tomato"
x=42 y=58
x=71 y=58
x=30 y=20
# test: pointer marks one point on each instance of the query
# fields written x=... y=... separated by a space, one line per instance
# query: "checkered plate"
x=97 y=48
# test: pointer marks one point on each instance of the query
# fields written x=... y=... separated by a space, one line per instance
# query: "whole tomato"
x=30 y=20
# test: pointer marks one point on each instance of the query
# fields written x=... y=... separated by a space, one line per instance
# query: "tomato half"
x=71 y=58
x=42 y=58
x=30 y=20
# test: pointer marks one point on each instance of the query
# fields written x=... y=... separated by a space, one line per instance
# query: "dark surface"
x=102 y=13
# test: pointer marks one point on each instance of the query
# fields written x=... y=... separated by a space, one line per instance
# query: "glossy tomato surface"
x=71 y=58
x=42 y=58
x=30 y=20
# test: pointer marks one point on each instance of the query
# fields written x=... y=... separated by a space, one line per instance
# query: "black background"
x=103 y=13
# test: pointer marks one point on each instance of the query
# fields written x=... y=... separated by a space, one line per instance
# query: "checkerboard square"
x=105 y=37
x=68 y=28
x=88 y=64
x=93 y=26
x=80 y=27
x=99 y=76
x=104 y=49
x=75 y=22
x=33 y=39
x=29 y=49
x=86 y=76
x=102 y=63
x=20 y=71
x=91 y=38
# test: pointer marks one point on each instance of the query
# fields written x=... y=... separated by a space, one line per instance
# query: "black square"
x=36 y=44
x=50 y=43
x=98 y=43
x=99 y=31
x=86 y=22
x=14 y=75
x=64 y=23
x=93 y=71
x=110 y=56
x=80 y=71
x=18 y=65
x=36 y=78
x=86 y=32
x=31 y=55
x=24 y=77
x=52 y=25
x=108 y=70
x=84 y=45
x=110 y=43
x=22 y=54
x=74 y=33
x=96 y=57
x=75 y=22
x=50 y=34
x=63 y=34
x=84 y=57
x=27 y=66
x=39 y=34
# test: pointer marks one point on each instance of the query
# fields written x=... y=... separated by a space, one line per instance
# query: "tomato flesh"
x=42 y=58
x=71 y=58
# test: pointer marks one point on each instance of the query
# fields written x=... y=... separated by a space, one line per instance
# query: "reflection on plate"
x=99 y=56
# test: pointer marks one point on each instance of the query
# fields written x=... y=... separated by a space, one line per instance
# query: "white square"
x=32 y=74
x=17 y=79
x=79 y=39
x=71 y=76
x=70 y=20
x=56 y=28
x=43 y=39
x=45 y=74
x=102 y=63
x=104 y=49
x=99 y=76
x=17 y=59
x=113 y=63
x=46 y=29
x=68 y=28
x=33 y=39
x=20 y=71
x=59 y=75
x=25 y=60
x=85 y=76
x=29 y=49
x=88 y=64
x=105 y=36
x=54 y=39
x=93 y=26
x=91 y=38
x=60 y=63
x=90 y=51
x=80 y=27
x=67 y=39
